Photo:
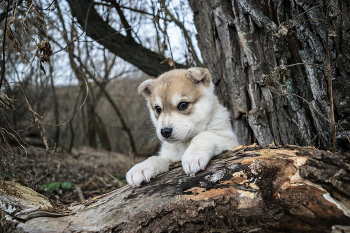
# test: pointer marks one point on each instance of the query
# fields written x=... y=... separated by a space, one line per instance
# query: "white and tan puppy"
x=191 y=123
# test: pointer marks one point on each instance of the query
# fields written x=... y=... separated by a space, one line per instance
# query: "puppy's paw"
x=146 y=170
x=194 y=160
x=137 y=174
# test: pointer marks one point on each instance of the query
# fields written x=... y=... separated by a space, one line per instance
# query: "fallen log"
x=249 y=189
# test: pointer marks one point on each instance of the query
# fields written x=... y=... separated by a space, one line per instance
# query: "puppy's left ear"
x=199 y=75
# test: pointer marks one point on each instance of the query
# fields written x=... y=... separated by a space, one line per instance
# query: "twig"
x=184 y=30
x=310 y=10
x=69 y=44
x=104 y=182
x=170 y=61
x=20 y=130
x=29 y=105
x=87 y=14
x=330 y=91
x=302 y=63
x=80 y=193
x=109 y=35
x=118 y=181
x=47 y=8
x=15 y=139
x=14 y=130
x=42 y=177
x=315 y=110
x=317 y=19
x=3 y=136
x=127 y=8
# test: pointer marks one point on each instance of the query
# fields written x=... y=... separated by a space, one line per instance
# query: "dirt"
x=61 y=176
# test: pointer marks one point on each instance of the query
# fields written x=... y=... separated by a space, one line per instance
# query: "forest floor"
x=65 y=177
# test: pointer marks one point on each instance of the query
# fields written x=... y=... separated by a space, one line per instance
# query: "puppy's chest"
x=174 y=151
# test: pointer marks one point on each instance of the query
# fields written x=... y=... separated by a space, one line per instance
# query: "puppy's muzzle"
x=166 y=132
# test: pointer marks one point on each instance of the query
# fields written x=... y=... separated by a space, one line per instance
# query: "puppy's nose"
x=166 y=132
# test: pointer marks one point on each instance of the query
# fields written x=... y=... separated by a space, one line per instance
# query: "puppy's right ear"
x=199 y=75
x=146 y=88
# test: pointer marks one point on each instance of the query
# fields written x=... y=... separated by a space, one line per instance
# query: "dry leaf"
x=45 y=48
x=10 y=21
x=25 y=27
x=6 y=101
x=156 y=19
x=169 y=60
x=15 y=45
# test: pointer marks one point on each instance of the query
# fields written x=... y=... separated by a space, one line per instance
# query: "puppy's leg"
x=146 y=170
x=202 y=148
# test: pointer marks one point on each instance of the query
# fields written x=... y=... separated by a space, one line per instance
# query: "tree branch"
x=185 y=32
x=125 y=23
x=132 y=52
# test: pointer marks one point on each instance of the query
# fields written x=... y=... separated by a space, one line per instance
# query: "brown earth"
x=68 y=177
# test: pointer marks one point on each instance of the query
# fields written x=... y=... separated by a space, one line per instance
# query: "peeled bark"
x=262 y=189
x=241 y=41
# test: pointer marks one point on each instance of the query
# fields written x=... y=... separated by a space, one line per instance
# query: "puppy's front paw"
x=137 y=174
x=146 y=170
x=194 y=160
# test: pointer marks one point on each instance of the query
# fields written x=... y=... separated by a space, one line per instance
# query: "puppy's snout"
x=166 y=132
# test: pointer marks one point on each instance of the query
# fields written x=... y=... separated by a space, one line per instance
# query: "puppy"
x=191 y=123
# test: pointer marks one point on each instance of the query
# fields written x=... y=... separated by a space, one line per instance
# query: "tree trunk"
x=243 y=41
x=270 y=189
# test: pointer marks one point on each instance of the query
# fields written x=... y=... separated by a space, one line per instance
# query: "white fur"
x=177 y=98
x=196 y=138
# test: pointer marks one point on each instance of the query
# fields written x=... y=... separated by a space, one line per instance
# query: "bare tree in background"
x=69 y=123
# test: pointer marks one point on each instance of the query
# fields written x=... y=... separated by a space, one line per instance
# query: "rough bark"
x=129 y=50
x=249 y=189
x=238 y=46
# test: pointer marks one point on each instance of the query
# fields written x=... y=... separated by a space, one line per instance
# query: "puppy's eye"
x=158 y=109
x=183 y=106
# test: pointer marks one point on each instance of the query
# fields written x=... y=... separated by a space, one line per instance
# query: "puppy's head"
x=180 y=102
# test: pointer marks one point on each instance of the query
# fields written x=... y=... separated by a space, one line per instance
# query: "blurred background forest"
x=72 y=123
x=65 y=94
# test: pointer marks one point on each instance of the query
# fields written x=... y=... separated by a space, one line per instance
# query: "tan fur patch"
x=175 y=82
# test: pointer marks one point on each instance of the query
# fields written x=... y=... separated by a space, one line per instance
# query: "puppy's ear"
x=199 y=75
x=146 y=88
